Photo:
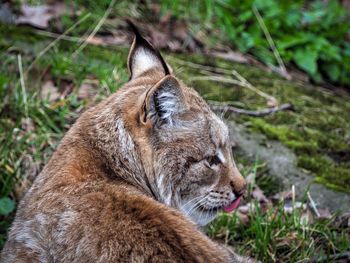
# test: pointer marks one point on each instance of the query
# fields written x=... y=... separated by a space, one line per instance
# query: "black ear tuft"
x=142 y=55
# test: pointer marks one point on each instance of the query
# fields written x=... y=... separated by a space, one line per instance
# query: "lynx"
x=134 y=179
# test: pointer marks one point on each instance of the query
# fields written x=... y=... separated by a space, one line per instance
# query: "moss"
x=334 y=186
x=314 y=163
x=335 y=176
x=281 y=132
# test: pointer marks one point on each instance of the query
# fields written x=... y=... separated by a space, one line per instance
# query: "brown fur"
x=117 y=188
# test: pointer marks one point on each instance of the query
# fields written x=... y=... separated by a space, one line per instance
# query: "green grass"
x=309 y=34
x=32 y=126
x=275 y=236
x=272 y=234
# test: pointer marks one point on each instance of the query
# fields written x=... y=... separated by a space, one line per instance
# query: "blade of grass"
x=271 y=42
x=53 y=43
x=96 y=29
x=24 y=93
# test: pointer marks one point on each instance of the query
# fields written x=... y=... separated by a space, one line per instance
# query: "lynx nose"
x=238 y=183
x=239 y=191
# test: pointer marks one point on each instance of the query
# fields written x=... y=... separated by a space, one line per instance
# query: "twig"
x=96 y=29
x=24 y=93
x=55 y=35
x=56 y=41
x=218 y=79
x=313 y=205
x=199 y=66
x=270 y=41
x=240 y=81
x=259 y=113
x=251 y=87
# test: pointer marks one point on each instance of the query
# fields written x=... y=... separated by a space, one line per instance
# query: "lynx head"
x=161 y=136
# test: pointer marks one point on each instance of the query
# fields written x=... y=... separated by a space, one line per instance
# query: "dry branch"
x=259 y=113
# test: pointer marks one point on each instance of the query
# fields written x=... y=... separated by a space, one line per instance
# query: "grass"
x=275 y=236
x=271 y=233
x=31 y=127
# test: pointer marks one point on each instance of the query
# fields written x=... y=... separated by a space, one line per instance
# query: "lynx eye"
x=213 y=160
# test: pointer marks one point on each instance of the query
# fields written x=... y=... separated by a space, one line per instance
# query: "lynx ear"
x=142 y=56
x=163 y=102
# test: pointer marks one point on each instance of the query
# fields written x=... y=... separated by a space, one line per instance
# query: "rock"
x=281 y=163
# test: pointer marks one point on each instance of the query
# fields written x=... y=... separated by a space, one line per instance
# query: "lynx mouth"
x=228 y=208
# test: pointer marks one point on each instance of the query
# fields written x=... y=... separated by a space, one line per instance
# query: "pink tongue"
x=232 y=206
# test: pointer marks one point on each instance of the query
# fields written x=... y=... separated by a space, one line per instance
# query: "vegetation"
x=284 y=232
x=278 y=236
x=310 y=34
x=37 y=106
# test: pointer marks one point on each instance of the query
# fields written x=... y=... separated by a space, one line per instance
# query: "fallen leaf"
x=306 y=217
x=87 y=91
x=171 y=34
x=244 y=209
x=285 y=195
x=259 y=195
x=343 y=221
x=324 y=213
x=9 y=169
x=287 y=240
x=49 y=91
x=39 y=16
x=111 y=40
x=159 y=39
x=244 y=218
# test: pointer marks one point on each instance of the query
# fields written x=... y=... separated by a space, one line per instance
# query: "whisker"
x=197 y=205
x=190 y=204
x=191 y=200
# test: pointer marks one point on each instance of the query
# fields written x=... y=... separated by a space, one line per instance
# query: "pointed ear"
x=143 y=57
x=163 y=102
